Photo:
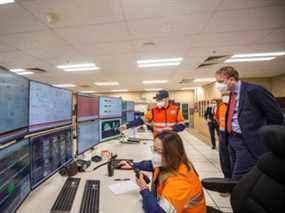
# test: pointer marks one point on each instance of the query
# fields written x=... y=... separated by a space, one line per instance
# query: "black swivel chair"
x=262 y=190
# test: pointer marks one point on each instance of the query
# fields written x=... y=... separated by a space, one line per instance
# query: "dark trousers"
x=212 y=128
x=224 y=154
x=241 y=159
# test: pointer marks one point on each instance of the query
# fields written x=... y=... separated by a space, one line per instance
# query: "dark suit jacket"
x=209 y=114
x=257 y=108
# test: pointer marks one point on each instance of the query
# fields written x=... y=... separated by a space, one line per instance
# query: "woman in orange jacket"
x=175 y=184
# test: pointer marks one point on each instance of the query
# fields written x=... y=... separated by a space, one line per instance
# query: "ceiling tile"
x=243 y=4
x=174 y=26
x=94 y=34
x=14 y=19
x=247 y=19
x=76 y=12
x=18 y=59
x=34 y=40
x=275 y=36
x=160 y=8
x=6 y=48
x=227 y=39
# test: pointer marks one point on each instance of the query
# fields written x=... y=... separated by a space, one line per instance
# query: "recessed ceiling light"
x=160 y=64
x=155 y=82
x=119 y=90
x=200 y=80
x=107 y=83
x=152 y=61
x=88 y=91
x=258 y=55
x=235 y=60
x=70 y=66
x=17 y=70
x=6 y=1
x=153 y=89
x=81 y=69
x=64 y=85
x=25 y=73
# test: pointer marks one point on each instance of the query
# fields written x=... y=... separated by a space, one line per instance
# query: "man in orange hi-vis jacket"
x=164 y=116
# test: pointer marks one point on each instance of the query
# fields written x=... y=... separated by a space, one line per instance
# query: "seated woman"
x=175 y=183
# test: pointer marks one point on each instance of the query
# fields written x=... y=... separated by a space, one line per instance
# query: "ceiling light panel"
x=201 y=80
x=269 y=54
x=111 y=83
x=64 y=85
x=237 y=60
x=155 y=82
x=6 y=1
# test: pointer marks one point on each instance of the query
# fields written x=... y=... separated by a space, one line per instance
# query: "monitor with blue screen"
x=130 y=106
x=130 y=116
x=14 y=105
x=49 y=106
x=87 y=135
x=110 y=107
x=50 y=152
x=15 y=173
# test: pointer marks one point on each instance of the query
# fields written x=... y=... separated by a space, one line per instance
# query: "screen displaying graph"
x=110 y=107
x=109 y=128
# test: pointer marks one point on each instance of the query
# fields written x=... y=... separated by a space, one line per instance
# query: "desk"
x=42 y=198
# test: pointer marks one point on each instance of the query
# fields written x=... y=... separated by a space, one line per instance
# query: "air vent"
x=85 y=86
x=186 y=81
x=36 y=69
x=213 y=60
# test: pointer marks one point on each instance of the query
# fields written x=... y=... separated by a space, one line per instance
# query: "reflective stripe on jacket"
x=181 y=192
x=164 y=118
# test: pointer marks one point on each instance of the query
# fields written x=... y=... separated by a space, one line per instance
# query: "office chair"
x=262 y=190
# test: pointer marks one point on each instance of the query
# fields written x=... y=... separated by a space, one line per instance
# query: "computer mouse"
x=96 y=158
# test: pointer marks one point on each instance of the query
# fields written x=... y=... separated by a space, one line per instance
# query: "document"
x=123 y=187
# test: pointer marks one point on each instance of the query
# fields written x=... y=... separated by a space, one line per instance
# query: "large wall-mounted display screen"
x=109 y=128
x=87 y=135
x=110 y=107
x=15 y=173
x=49 y=106
x=49 y=153
x=87 y=108
x=14 y=105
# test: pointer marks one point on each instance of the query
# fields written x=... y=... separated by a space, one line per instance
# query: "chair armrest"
x=219 y=184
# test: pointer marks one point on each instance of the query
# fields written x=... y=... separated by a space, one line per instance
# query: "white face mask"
x=226 y=99
x=156 y=160
x=222 y=87
x=161 y=104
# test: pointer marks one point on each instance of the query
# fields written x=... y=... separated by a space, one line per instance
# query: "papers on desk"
x=123 y=187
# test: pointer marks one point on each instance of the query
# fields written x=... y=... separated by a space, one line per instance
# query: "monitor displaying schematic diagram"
x=110 y=107
x=14 y=105
x=49 y=106
x=87 y=107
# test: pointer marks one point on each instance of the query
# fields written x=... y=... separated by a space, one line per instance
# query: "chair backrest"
x=262 y=190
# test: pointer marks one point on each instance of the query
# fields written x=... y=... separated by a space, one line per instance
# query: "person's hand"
x=124 y=165
x=141 y=182
x=123 y=128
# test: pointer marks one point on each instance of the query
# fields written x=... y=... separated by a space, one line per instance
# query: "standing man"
x=164 y=116
x=223 y=148
x=209 y=116
x=250 y=107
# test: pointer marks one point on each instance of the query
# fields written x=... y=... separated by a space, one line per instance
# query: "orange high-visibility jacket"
x=181 y=192
x=164 y=118
x=221 y=116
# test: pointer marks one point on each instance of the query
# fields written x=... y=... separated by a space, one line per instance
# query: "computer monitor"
x=124 y=106
x=130 y=106
x=15 y=173
x=87 y=107
x=50 y=152
x=109 y=128
x=49 y=107
x=124 y=117
x=130 y=116
x=14 y=105
x=87 y=135
x=110 y=107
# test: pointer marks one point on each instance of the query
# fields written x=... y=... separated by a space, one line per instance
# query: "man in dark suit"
x=209 y=116
x=250 y=107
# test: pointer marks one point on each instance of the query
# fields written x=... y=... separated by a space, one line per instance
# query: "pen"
x=122 y=179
